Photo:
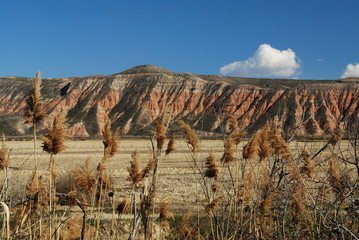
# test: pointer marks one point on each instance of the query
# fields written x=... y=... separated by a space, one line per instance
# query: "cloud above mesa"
x=352 y=70
x=265 y=62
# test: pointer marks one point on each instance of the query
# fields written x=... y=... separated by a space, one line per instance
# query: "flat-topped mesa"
x=147 y=69
x=135 y=98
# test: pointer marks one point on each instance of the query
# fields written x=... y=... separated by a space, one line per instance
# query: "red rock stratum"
x=134 y=99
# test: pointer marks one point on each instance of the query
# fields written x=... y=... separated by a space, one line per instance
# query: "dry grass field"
x=176 y=175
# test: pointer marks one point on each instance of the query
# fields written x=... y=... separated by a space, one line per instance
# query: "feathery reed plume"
x=212 y=206
x=53 y=140
x=171 y=144
x=245 y=192
x=215 y=188
x=235 y=132
x=4 y=160
x=135 y=175
x=34 y=111
x=161 y=128
x=307 y=167
x=72 y=229
x=110 y=141
x=298 y=208
x=165 y=213
x=336 y=135
x=266 y=202
x=280 y=146
x=264 y=149
x=334 y=177
x=229 y=149
x=122 y=206
x=38 y=186
x=237 y=136
x=191 y=135
x=250 y=150
x=150 y=165
x=211 y=168
x=184 y=229
x=85 y=178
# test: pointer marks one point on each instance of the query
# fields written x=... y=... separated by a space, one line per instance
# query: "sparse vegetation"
x=260 y=188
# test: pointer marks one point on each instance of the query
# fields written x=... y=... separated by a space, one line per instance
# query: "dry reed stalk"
x=164 y=212
x=4 y=155
x=184 y=229
x=211 y=167
x=191 y=136
x=150 y=165
x=334 y=177
x=34 y=112
x=6 y=220
x=110 y=141
x=246 y=189
x=171 y=145
x=135 y=174
x=229 y=151
x=307 y=168
x=211 y=207
x=298 y=208
x=54 y=138
x=235 y=132
x=72 y=229
x=250 y=150
x=336 y=135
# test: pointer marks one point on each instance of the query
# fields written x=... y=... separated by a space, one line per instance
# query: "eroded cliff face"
x=135 y=98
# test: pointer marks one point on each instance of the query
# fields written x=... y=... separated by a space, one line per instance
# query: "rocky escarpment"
x=134 y=99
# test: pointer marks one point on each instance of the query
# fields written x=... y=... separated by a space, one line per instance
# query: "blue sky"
x=268 y=38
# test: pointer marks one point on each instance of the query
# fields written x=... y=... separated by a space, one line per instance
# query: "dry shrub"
x=85 y=179
x=66 y=182
x=72 y=228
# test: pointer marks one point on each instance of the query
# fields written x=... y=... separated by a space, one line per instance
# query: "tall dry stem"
x=34 y=112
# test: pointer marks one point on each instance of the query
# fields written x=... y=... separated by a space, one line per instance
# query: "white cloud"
x=352 y=70
x=320 y=60
x=265 y=62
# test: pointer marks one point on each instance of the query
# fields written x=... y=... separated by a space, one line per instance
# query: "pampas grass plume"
x=191 y=135
x=54 y=138
x=211 y=168
x=34 y=111
x=171 y=144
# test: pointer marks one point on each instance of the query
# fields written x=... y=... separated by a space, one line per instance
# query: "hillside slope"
x=135 y=98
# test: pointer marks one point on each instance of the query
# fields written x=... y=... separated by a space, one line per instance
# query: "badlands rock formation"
x=134 y=99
